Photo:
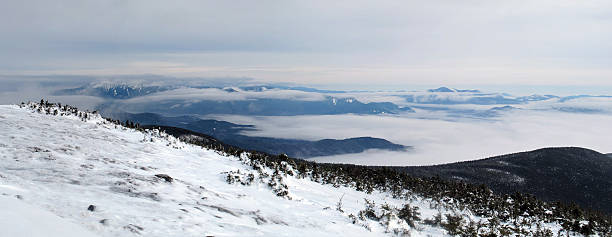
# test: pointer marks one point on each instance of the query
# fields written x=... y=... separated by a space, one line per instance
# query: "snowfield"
x=57 y=172
x=20 y=219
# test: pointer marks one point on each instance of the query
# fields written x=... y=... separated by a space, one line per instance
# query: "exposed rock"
x=104 y=222
x=133 y=228
x=166 y=177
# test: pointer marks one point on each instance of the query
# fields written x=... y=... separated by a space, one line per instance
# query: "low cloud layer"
x=438 y=141
x=14 y=90
x=439 y=133
x=192 y=95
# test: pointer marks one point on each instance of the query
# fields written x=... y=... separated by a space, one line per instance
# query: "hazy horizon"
x=356 y=44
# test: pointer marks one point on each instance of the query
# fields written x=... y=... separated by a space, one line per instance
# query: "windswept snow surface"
x=62 y=165
x=19 y=219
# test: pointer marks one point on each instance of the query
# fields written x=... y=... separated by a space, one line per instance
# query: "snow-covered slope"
x=75 y=170
x=63 y=164
x=18 y=219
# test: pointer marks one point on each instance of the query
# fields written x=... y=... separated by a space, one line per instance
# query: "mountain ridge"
x=568 y=174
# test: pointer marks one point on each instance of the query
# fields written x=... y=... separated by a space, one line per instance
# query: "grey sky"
x=355 y=43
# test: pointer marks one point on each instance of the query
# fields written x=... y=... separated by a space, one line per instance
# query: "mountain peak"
x=446 y=89
x=568 y=174
x=441 y=89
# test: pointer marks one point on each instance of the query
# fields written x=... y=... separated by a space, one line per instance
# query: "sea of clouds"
x=437 y=141
x=437 y=133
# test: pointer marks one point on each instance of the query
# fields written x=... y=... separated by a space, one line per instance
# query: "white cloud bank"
x=213 y=94
x=437 y=141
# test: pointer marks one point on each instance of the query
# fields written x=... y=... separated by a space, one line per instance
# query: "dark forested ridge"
x=568 y=174
x=230 y=133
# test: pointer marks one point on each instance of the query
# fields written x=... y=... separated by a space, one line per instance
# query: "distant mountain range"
x=567 y=174
x=262 y=107
x=230 y=133
x=109 y=91
x=246 y=100
x=446 y=89
x=473 y=98
x=275 y=100
x=439 y=95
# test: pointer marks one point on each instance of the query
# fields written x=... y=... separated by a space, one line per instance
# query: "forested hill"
x=568 y=174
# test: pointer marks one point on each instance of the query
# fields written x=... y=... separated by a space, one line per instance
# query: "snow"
x=54 y=168
x=19 y=219
x=59 y=165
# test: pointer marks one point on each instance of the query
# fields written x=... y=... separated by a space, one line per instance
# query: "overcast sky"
x=352 y=43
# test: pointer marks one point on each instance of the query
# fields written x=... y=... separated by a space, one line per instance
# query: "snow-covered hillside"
x=113 y=181
x=63 y=165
